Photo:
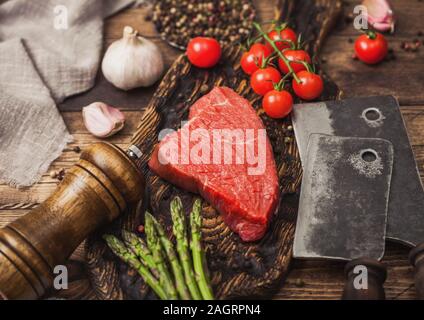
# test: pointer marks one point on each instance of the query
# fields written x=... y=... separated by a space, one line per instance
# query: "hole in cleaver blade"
x=373 y=117
x=344 y=198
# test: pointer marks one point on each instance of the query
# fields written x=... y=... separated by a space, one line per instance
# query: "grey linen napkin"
x=49 y=50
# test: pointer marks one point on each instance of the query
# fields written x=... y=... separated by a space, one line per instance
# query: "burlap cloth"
x=49 y=50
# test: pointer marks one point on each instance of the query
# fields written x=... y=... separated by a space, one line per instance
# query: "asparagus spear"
x=154 y=244
x=119 y=249
x=180 y=232
x=139 y=247
x=173 y=260
x=200 y=267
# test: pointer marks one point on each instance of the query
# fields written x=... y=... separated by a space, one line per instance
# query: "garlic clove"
x=380 y=15
x=102 y=120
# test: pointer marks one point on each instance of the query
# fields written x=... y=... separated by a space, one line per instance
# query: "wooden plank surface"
x=402 y=77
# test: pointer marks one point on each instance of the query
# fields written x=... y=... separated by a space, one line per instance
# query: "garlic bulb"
x=102 y=120
x=132 y=62
x=380 y=15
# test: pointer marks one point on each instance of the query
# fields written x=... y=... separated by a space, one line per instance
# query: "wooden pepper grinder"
x=93 y=193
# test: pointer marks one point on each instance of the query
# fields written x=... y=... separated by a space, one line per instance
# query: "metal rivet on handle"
x=134 y=152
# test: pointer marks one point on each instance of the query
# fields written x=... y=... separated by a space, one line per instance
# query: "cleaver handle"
x=417 y=260
x=357 y=273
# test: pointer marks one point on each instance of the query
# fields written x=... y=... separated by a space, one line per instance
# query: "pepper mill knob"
x=93 y=193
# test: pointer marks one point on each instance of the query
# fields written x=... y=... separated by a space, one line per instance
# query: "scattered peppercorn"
x=76 y=149
x=299 y=283
x=61 y=174
x=53 y=174
x=349 y=18
x=204 y=88
x=140 y=228
x=390 y=55
x=178 y=21
x=412 y=46
x=148 y=17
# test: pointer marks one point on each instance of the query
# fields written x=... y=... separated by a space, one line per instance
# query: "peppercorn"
x=61 y=174
x=53 y=174
x=179 y=21
x=204 y=88
x=299 y=283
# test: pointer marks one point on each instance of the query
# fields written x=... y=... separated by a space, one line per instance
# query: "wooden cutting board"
x=238 y=269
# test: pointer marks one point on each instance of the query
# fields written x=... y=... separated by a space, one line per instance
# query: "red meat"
x=242 y=188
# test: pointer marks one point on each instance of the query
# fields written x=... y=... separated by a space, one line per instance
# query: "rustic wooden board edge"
x=112 y=280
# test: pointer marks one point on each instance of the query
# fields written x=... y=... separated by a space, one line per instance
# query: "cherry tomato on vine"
x=294 y=55
x=252 y=60
x=263 y=80
x=310 y=86
x=203 y=52
x=371 y=47
x=277 y=104
x=286 y=34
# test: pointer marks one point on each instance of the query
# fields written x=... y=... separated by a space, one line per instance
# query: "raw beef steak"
x=223 y=154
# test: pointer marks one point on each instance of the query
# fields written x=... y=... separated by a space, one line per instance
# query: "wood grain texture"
x=402 y=77
x=93 y=193
x=238 y=269
x=307 y=279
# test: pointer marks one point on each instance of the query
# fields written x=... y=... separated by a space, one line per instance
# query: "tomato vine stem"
x=286 y=61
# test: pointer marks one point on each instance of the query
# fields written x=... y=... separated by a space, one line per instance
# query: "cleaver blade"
x=344 y=197
x=373 y=117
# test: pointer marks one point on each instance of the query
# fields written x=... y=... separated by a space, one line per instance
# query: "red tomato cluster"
x=254 y=58
x=267 y=81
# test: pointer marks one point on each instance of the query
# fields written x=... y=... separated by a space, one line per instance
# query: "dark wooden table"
x=402 y=77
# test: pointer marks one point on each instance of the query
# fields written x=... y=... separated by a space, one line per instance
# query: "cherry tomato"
x=252 y=59
x=294 y=55
x=285 y=34
x=263 y=80
x=310 y=86
x=371 y=48
x=203 y=52
x=277 y=104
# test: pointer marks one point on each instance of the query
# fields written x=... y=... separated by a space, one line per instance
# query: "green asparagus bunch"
x=171 y=272
x=139 y=247
x=173 y=259
x=199 y=261
x=159 y=257
x=180 y=233
x=129 y=257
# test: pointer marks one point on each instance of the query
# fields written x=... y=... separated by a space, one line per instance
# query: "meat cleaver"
x=343 y=207
x=376 y=117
